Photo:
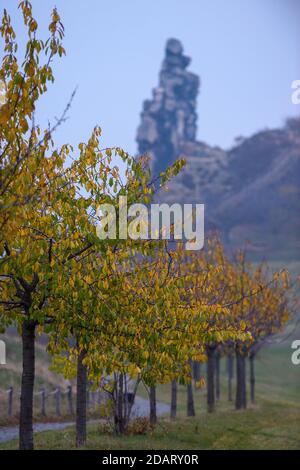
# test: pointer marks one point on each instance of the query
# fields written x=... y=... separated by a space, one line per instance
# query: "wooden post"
x=57 y=401
x=43 y=402
x=70 y=400
x=10 y=400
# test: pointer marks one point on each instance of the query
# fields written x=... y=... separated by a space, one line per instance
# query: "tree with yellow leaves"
x=269 y=311
x=262 y=308
x=162 y=311
x=48 y=209
x=216 y=275
x=28 y=167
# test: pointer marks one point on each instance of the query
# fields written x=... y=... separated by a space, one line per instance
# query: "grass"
x=269 y=426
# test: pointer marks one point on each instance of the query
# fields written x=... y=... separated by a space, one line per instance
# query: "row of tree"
x=259 y=303
x=113 y=310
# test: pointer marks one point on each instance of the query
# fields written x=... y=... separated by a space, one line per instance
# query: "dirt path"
x=140 y=408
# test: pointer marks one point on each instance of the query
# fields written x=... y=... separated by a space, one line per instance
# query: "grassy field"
x=270 y=425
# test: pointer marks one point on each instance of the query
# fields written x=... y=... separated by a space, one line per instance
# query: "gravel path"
x=140 y=408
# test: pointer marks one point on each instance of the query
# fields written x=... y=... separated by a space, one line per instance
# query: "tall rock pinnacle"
x=250 y=192
x=169 y=118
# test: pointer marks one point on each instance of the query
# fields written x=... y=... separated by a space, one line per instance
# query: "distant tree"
x=264 y=310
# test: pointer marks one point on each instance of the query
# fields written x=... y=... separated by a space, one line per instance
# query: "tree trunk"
x=218 y=360
x=10 y=401
x=173 y=399
x=210 y=378
x=119 y=405
x=230 y=375
x=81 y=405
x=196 y=370
x=43 y=402
x=241 y=399
x=252 y=378
x=26 y=411
x=190 y=400
x=123 y=402
x=152 y=399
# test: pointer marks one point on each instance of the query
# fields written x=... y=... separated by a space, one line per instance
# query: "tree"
x=190 y=397
x=48 y=208
x=92 y=294
x=173 y=410
x=27 y=166
x=218 y=289
x=149 y=319
x=218 y=360
x=229 y=369
x=263 y=311
x=152 y=402
x=30 y=174
x=269 y=312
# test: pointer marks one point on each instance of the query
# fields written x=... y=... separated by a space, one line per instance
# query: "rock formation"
x=250 y=191
x=170 y=117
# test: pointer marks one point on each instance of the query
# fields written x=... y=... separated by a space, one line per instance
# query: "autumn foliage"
x=123 y=308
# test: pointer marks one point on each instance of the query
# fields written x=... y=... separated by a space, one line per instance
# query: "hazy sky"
x=247 y=53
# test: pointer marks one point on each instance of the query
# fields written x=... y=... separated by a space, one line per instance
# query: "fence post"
x=43 y=402
x=57 y=401
x=70 y=400
x=10 y=400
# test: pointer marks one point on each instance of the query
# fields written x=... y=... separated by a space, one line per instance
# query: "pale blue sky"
x=247 y=53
